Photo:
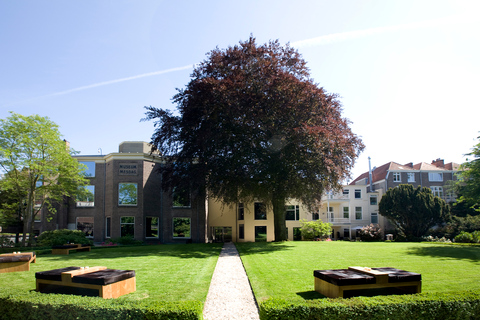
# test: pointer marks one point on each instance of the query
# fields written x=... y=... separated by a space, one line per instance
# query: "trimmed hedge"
x=33 y=305
x=445 y=306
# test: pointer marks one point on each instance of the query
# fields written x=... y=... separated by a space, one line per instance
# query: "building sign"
x=128 y=169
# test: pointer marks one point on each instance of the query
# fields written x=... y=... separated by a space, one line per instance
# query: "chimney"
x=410 y=164
x=439 y=163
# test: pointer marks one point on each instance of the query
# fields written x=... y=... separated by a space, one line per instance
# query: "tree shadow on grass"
x=184 y=251
x=249 y=248
x=471 y=253
x=311 y=295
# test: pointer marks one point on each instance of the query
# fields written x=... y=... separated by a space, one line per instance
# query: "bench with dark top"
x=344 y=282
x=94 y=281
x=66 y=248
x=13 y=262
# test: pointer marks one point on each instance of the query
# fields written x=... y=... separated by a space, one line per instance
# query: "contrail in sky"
x=318 y=41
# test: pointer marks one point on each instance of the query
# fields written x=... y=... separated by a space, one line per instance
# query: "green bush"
x=464 y=237
x=315 y=229
x=62 y=236
x=445 y=306
x=33 y=305
x=125 y=240
x=476 y=236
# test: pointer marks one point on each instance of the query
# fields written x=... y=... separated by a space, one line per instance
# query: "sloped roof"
x=380 y=173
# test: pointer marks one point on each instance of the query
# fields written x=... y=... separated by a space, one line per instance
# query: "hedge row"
x=33 y=305
x=445 y=306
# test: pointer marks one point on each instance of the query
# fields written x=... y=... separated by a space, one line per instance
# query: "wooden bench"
x=18 y=261
x=360 y=280
x=66 y=248
x=93 y=281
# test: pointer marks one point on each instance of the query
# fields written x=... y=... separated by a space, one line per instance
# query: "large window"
x=358 y=213
x=260 y=211
x=127 y=226
x=411 y=177
x=151 y=227
x=89 y=169
x=260 y=233
x=435 y=176
x=241 y=231
x=437 y=191
x=241 y=212
x=85 y=224
x=374 y=217
x=181 y=197
x=358 y=193
x=397 y=177
x=373 y=200
x=181 y=228
x=86 y=196
x=127 y=194
x=292 y=213
x=346 y=212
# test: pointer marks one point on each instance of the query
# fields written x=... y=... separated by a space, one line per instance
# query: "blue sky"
x=407 y=71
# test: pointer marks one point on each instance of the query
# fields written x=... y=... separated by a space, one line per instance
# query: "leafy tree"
x=315 y=229
x=253 y=124
x=38 y=167
x=413 y=211
x=467 y=185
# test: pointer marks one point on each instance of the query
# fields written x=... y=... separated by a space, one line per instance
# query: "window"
x=181 y=228
x=410 y=177
x=241 y=212
x=127 y=194
x=346 y=233
x=435 y=176
x=297 y=234
x=346 y=212
x=373 y=200
x=358 y=194
x=181 y=197
x=108 y=226
x=315 y=216
x=89 y=169
x=346 y=193
x=151 y=227
x=397 y=177
x=127 y=226
x=86 y=196
x=358 y=213
x=437 y=191
x=260 y=233
x=374 y=217
x=260 y=211
x=292 y=213
x=241 y=231
x=85 y=224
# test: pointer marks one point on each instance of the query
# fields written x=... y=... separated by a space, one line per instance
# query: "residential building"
x=434 y=176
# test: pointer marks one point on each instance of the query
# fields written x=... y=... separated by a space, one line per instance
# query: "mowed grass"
x=163 y=272
x=285 y=270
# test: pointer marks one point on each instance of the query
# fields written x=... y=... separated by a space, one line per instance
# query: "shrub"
x=125 y=240
x=5 y=242
x=62 y=236
x=371 y=233
x=315 y=229
x=476 y=236
x=436 y=239
x=464 y=237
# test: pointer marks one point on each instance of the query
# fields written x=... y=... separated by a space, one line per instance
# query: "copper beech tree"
x=252 y=124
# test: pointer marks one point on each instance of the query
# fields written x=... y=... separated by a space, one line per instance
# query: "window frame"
x=397 y=177
x=410 y=176
x=358 y=193
x=92 y=226
x=435 y=176
x=296 y=212
x=346 y=212
x=86 y=202
x=127 y=224
x=372 y=216
x=358 y=212
x=121 y=204
x=87 y=171
x=376 y=200
x=189 y=231
x=151 y=225
x=260 y=205
x=241 y=211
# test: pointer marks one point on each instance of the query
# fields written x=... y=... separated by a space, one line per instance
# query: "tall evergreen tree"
x=413 y=210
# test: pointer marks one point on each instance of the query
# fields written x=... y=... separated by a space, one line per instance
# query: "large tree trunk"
x=279 y=218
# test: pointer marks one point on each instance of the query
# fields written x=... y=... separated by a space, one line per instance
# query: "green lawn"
x=163 y=272
x=285 y=270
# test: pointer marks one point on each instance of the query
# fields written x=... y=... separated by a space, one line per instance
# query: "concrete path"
x=230 y=295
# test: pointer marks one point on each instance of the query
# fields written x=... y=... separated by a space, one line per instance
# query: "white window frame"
x=346 y=212
x=359 y=192
x=372 y=216
x=397 y=177
x=410 y=176
x=437 y=191
x=435 y=176
x=359 y=211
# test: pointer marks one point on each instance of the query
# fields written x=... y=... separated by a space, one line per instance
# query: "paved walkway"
x=230 y=295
